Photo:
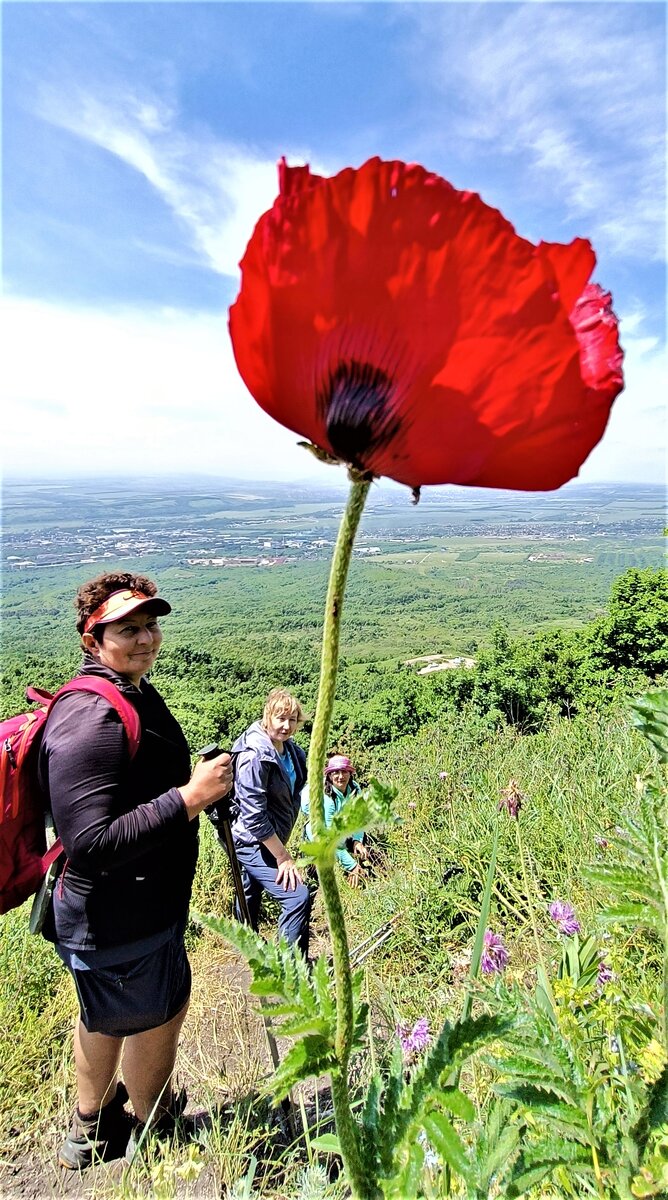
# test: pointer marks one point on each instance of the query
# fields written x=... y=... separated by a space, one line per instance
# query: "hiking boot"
x=166 y=1126
x=102 y=1135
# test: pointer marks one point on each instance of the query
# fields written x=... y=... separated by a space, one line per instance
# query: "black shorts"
x=132 y=994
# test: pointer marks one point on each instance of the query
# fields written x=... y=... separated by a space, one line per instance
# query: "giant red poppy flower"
x=404 y=328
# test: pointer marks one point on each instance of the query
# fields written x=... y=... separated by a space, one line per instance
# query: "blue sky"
x=140 y=143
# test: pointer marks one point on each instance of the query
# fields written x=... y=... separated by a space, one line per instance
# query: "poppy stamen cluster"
x=356 y=404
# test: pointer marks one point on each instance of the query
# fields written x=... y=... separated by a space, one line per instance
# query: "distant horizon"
x=166 y=476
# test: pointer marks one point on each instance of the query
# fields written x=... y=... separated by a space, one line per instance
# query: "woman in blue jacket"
x=270 y=773
x=340 y=783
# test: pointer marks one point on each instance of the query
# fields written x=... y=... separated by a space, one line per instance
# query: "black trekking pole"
x=224 y=832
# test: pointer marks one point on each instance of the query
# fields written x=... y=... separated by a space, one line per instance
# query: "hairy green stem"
x=665 y=992
x=659 y=867
x=346 y=1127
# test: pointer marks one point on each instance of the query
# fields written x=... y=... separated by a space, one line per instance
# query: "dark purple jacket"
x=131 y=850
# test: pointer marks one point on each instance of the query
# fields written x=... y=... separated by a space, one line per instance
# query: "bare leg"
x=96 y=1057
x=148 y=1063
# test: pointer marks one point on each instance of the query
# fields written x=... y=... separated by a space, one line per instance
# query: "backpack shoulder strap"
x=103 y=687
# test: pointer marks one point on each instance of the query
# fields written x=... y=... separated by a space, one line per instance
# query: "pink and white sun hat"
x=339 y=762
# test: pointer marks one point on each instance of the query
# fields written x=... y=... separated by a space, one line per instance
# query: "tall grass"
x=576 y=775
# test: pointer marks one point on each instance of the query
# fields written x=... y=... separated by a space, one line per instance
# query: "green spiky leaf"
x=309 y=1057
x=405 y=1184
x=447 y=1143
x=632 y=914
x=527 y=1176
x=562 y=1118
x=650 y=717
x=369 y=809
x=455 y=1101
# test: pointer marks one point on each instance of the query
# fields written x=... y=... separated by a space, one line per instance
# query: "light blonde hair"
x=281 y=701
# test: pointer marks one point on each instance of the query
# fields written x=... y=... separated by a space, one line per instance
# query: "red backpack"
x=24 y=858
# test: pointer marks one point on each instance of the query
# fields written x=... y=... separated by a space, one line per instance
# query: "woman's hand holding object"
x=211 y=779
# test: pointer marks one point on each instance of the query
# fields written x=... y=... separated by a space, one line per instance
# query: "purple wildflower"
x=495 y=957
x=605 y=973
x=563 y=915
x=601 y=842
x=511 y=799
x=413 y=1041
x=443 y=774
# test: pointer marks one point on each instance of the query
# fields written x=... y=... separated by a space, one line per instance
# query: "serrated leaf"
x=322 y=987
x=469 y=1036
x=529 y=1074
x=391 y=1098
x=370 y=1116
x=404 y=1185
x=455 y=1101
x=250 y=944
x=500 y=1154
x=447 y=1142
x=631 y=914
x=305 y=1025
x=523 y=1182
x=562 y=1117
x=657 y=1109
x=360 y=1025
x=405 y=1102
x=311 y=1056
x=650 y=716
x=625 y=880
x=369 y=809
x=555 y=1150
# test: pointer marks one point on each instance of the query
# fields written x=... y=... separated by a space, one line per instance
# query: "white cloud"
x=155 y=392
x=131 y=392
x=635 y=444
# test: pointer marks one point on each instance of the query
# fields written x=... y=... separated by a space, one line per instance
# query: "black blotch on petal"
x=355 y=402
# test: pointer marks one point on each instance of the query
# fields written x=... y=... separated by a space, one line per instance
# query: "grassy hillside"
x=560 y=641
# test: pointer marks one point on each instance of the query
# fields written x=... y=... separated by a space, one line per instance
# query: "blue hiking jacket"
x=267 y=804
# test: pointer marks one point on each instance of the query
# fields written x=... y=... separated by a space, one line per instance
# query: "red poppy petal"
x=405 y=327
x=596 y=331
x=570 y=267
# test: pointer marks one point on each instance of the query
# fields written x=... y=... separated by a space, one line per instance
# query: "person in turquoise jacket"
x=340 y=783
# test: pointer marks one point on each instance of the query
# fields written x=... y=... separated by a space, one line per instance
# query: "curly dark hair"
x=90 y=595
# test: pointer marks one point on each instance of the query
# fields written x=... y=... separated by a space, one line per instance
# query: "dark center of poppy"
x=355 y=404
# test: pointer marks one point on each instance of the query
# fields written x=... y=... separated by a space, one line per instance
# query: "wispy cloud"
x=573 y=95
x=216 y=191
